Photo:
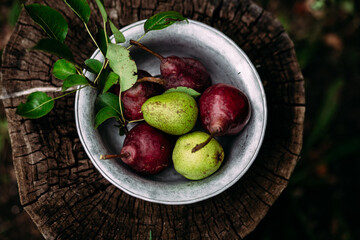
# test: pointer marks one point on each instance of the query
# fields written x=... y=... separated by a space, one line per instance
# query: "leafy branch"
x=117 y=68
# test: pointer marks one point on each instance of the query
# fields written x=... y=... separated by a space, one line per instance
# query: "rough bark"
x=67 y=197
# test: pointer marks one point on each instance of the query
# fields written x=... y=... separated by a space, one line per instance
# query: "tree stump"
x=67 y=197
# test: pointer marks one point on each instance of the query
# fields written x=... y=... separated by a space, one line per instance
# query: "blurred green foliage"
x=321 y=201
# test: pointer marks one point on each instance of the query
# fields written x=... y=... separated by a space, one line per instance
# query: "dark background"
x=322 y=199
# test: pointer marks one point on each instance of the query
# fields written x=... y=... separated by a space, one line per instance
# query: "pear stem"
x=203 y=144
x=126 y=130
x=111 y=156
x=143 y=47
x=160 y=81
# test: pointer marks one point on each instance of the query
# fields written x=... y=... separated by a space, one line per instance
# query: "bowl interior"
x=226 y=63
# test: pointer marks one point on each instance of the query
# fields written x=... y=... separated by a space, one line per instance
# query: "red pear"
x=146 y=149
x=180 y=72
x=224 y=110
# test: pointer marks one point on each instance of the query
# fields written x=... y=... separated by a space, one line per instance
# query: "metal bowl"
x=226 y=63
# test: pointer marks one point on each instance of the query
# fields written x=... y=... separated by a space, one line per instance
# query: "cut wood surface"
x=68 y=198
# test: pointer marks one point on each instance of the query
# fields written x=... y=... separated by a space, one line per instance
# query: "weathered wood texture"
x=68 y=199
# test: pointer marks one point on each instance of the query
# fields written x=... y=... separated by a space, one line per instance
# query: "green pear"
x=174 y=112
x=201 y=163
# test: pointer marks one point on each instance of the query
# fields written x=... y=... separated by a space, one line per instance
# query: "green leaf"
x=102 y=40
x=108 y=100
x=63 y=69
x=15 y=13
x=103 y=78
x=55 y=47
x=50 y=20
x=74 y=80
x=112 y=79
x=119 y=37
x=102 y=10
x=162 y=20
x=122 y=64
x=94 y=65
x=187 y=90
x=37 y=105
x=105 y=114
x=80 y=8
